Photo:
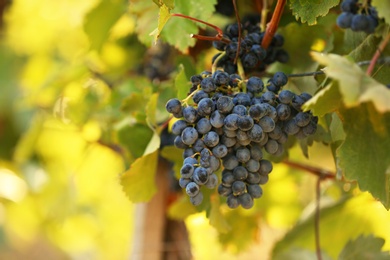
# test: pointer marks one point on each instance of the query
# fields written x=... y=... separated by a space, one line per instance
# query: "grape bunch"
x=252 y=55
x=226 y=127
x=358 y=17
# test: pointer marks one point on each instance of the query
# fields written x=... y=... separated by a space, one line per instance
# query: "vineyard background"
x=84 y=173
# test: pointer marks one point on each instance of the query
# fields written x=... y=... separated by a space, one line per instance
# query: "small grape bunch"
x=227 y=128
x=357 y=17
x=252 y=55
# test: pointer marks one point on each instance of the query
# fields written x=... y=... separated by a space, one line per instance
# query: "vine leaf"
x=169 y=3
x=355 y=86
x=217 y=220
x=163 y=17
x=364 y=247
x=98 y=29
x=364 y=155
x=181 y=208
x=325 y=101
x=308 y=11
x=139 y=181
x=181 y=83
x=383 y=8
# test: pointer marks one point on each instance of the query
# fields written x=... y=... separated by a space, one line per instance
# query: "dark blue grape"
x=178 y=127
x=255 y=191
x=232 y=201
x=187 y=170
x=359 y=23
x=240 y=173
x=189 y=135
x=344 y=20
x=208 y=85
x=243 y=154
x=197 y=199
x=259 y=51
x=239 y=110
x=178 y=142
x=249 y=60
x=242 y=99
x=231 y=121
x=173 y=106
x=190 y=114
x=255 y=85
x=238 y=188
x=224 y=191
x=192 y=189
x=225 y=104
x=200 y=176
x=220 y=150
x=211 y=139
x=246 y=201
x=205 y=107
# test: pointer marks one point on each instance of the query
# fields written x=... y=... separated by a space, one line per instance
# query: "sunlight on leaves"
x=138 y=182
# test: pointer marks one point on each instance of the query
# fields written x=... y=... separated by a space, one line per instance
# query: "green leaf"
x=308 y=11
x=181 y=83
x=181 y=208
x=325 y=101
x=174 y=155
x=355 y=86
x=163 y=17
x=169 y=3
x=242 y=227
x=364 y=247
x=383 y=8
x=139 y=181
x=217 y=220
x=299 y=254
x=177 y=30
x=151 y=108
x=336 y=129
x=153 y=144
x=133 y=102
x=97 y=28
x=299 y=39
x=135 y=138
x=364 y=155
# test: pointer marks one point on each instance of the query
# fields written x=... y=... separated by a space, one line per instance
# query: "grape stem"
x=273 y=24
x=377 y=54
x=218 y=37
x=317 y=219
x=264 y=13
x=214 y=66
x=239 y=31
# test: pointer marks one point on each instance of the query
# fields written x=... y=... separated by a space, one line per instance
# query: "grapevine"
x=227 y=128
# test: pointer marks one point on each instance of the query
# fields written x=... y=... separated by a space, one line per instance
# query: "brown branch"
x=218 y=37
x=273 y=24
x=377 y=54
x=317 y=219
x=239 y=31
x=321 y=173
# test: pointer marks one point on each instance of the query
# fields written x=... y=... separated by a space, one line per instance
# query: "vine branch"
x=239 y=31
x=317 y=219
x=218 y=37
x=377 y=54
x=273 y=24
x=322 y=174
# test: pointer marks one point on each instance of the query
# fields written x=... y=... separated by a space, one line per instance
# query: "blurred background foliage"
x=72 y=119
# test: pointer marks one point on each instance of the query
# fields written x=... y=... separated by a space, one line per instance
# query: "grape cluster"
x=357 y=17
x=230 y=128
x=252 y=55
